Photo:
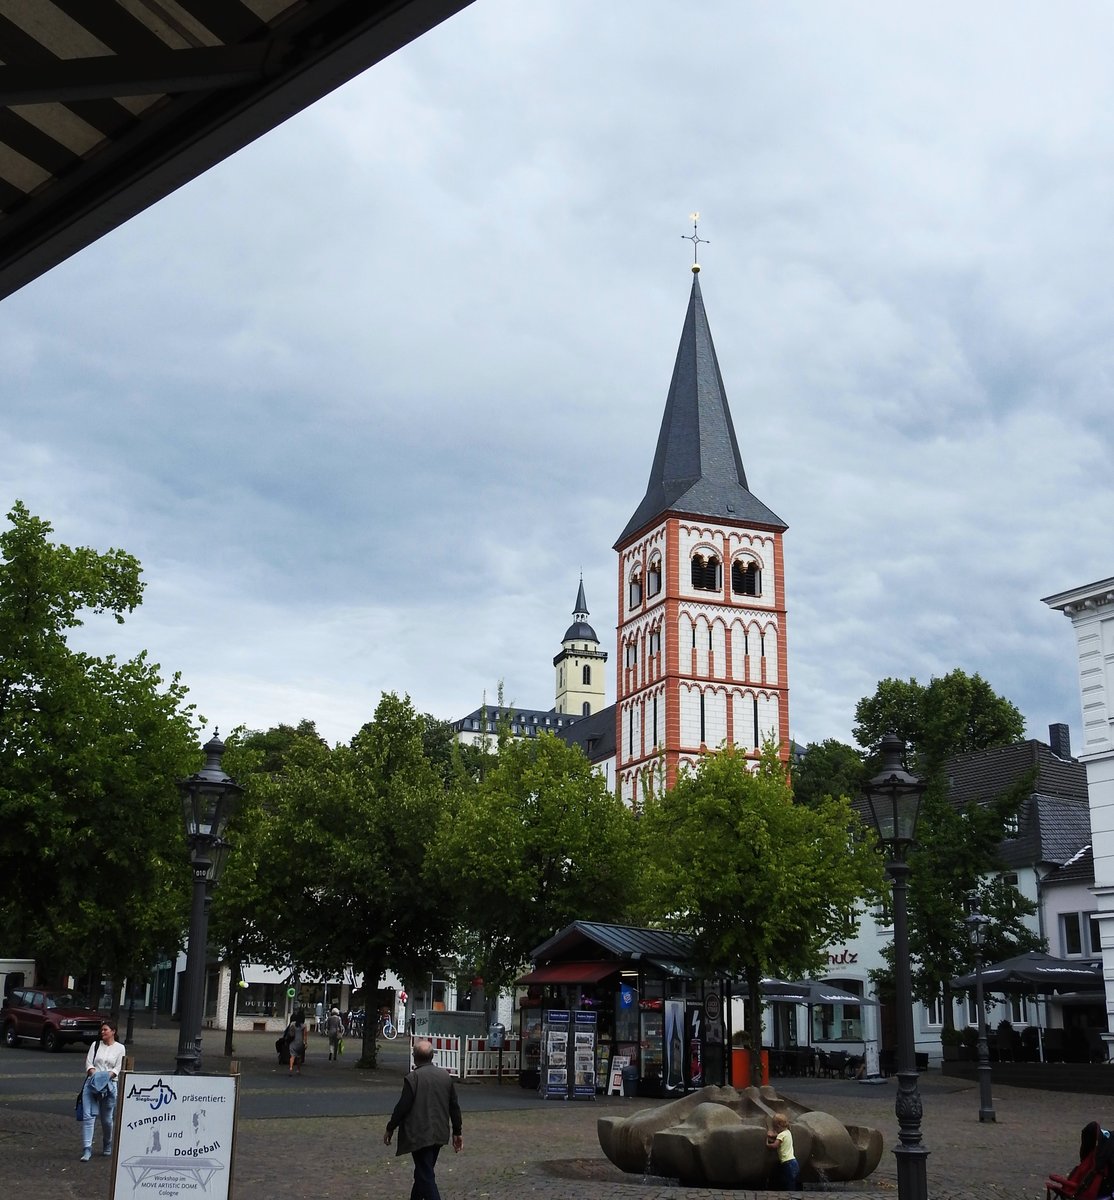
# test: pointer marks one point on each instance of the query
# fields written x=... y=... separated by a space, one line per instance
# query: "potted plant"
x=969 y=1044
x=949 y=1043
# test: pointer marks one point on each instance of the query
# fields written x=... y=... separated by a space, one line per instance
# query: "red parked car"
x=53 y=1019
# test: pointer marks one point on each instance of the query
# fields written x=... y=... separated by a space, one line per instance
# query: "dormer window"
x=653 y=576
x=706 y=573
x=746 y=578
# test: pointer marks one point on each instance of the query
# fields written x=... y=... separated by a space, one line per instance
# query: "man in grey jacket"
x=423 y=1115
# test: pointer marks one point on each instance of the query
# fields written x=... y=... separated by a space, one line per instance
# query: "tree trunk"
x=373 y=972
x=230 y=1011
x=754 y=1024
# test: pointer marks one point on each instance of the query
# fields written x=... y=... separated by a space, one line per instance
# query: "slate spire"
x=697 y=465
x=581 y=609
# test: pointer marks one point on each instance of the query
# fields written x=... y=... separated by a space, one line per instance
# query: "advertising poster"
x=674 y=1065
x=584 y=1055
x=174 y=1137
x=695 y=1043
x=554 y=1084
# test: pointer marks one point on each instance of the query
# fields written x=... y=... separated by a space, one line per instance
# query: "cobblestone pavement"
x=516 y=1145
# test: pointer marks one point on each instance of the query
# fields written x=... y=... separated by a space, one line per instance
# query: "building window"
x=934 y=1011
x=586 y=709
x=636 y=589
x=655 y=641
x=653 y=577
x=586 y=676
x=632 y=654
x=746 y=578
x=1010 y=828
x=706 y=573
x=1079 y=935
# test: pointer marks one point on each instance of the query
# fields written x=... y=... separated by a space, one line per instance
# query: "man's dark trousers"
x=425 y=1184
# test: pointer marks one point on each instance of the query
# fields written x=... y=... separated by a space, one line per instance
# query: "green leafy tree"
x=538 y=843
x=827 y=768
x=343 y=855
x=763 y=884
x=90 y=751
x=951 y=714
x=957 y=848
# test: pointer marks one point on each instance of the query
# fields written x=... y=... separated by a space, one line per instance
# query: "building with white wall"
x=1091 y=611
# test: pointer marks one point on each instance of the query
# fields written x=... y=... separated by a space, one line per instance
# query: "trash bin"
x=630 y=1082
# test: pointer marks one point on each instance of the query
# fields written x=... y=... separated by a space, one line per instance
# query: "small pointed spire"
x=580 y=611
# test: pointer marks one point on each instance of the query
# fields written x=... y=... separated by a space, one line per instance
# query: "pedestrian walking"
x=296 y=1032
x=103 y=1065
x=334 y=1027
x=423 y=1116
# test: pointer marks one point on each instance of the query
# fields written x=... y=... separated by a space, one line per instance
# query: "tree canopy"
x=957 y=848
x=827 y=768
x=764 y=884
x=342 y=869
x=951 y=714
x=539 y=842
x=90 y=752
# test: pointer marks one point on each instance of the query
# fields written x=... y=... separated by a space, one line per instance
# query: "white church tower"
x=580 y=665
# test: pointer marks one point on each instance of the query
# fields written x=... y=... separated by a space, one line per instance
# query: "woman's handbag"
x=79 y=1106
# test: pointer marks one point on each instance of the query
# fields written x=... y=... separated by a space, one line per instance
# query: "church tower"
x=580 y=665
x=701 y=636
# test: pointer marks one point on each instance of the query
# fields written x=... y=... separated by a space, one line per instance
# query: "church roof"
x=697 y=465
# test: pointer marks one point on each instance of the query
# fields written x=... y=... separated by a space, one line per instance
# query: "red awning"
x=572 y=972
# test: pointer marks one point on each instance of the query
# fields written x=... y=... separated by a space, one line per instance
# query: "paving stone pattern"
x=535 y=1148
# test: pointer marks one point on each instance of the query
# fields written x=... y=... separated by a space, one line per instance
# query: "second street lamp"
x=895 y=797
x=209 y=801
x=976 y=925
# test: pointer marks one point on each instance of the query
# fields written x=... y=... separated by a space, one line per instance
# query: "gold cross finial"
x=696 y=240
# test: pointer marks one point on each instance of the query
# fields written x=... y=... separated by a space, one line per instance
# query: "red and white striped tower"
x=701 y=638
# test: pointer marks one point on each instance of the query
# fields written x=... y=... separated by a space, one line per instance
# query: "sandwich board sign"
x=174 y=1137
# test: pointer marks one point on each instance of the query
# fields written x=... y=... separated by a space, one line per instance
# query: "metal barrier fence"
x=477 y=1060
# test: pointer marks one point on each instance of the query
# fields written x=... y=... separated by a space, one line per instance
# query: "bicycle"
x=388 y=1028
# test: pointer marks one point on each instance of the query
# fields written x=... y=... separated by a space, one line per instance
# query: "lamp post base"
x=912 y=1172
x=188 y=1059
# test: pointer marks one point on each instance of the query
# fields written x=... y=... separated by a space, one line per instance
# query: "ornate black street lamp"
x=976 y=926
x=209 y=801
x=895 y=797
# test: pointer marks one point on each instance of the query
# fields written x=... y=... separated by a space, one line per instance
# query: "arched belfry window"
x=636 y=588
x=586 y=709
x=706 y=572
x=746 y=578
x=653 y=576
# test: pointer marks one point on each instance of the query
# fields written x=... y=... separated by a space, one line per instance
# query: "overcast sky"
x=367 y=398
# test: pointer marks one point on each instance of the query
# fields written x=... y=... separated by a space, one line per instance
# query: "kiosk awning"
x=572 y=972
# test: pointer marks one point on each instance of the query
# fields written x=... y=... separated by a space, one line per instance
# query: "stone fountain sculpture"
x=716 y=1137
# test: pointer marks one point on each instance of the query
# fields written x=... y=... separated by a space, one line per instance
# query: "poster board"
x=554 y=1082
x=174 y=1136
